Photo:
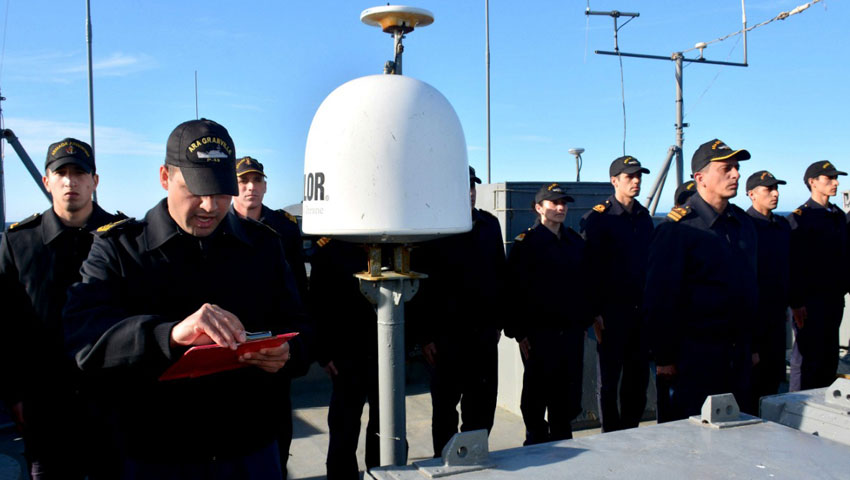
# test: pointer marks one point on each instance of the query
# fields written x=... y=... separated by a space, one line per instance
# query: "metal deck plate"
x=680 y=449
x=809 y=412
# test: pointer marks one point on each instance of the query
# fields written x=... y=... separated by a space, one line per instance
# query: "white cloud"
x=116 y=65
x=37 y=135
x=474 y=148
x=68 y=66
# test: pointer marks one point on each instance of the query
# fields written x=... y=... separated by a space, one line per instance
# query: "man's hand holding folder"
x=209 y=324
x=212 y=324
x=268 y=359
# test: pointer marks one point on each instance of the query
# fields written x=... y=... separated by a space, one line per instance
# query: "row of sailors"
x=704 y=294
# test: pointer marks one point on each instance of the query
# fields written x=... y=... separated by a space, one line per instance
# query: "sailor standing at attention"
x=347 y=349
x=40 y=258
x=617 y=234
x=663 y=409
x=817 y=291
x=774 y=275
x=548 y=276
x=701 y=290
x=464 y=303
x=251 y=178
x=248 y=204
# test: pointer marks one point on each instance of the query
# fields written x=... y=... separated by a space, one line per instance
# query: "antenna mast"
x=91 y=82
x=678 y=58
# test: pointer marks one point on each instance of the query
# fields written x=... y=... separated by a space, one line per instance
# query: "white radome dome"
x=386 y=162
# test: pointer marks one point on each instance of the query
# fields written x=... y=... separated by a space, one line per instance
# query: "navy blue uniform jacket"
x=701 y=278
x=465 y=288
x=617 y=248
x=39 y=259
x=774 y=273
x=549 y=282
x=818 y=238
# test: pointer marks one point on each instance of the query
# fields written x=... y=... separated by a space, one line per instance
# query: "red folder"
x=208 y=359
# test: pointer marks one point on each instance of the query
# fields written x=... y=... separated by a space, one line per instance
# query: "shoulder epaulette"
x=291 y=217
x=679 y=213
x=25 y=221
x=114 y=226
x=798 y=212
x=323 y=241
x=520 y=237
x=602 y=207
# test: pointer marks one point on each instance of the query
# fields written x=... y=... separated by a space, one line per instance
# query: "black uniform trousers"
x=551 y=384
x=664 y=411
x=622 y=360
x=284 y=424
x=356 y=383
x=56 y=436
x=706 y=367
x=770 y=371
x=466 y=372
x=817 y=342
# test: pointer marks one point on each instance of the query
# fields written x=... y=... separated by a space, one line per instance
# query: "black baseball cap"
x=70 y=150
x=763 y=178
x=552 y=191
x=206 y=156
x=715 y=151
x=627 y=164
x=472 y=176
x=683 y=192
x=247 y=165
x=821 y=167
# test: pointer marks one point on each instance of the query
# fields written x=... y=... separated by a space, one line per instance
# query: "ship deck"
x=310 y=398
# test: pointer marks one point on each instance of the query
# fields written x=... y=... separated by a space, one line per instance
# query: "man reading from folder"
x=155 y=287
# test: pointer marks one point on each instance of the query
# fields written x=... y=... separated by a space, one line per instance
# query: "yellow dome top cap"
x=391 y=17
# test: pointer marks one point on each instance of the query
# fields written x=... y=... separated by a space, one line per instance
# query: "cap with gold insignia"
x=627 y=164
x=715 y=151
x=821 y=167
x=206 y=156
x=70 y=151
x=683 y=192
x=763 y=178
x=552 y=191
x=247 y=165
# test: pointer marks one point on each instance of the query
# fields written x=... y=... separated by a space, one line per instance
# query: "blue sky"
x=265 y=66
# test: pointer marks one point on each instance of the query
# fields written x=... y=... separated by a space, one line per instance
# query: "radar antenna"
x=397 y=20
